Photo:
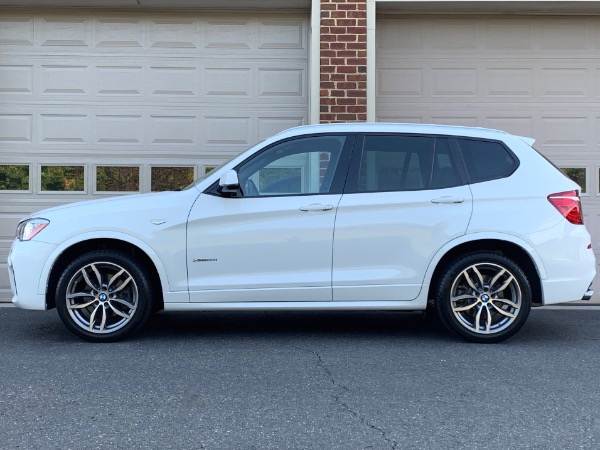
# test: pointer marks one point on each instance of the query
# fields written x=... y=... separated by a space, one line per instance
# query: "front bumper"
x=26 y=262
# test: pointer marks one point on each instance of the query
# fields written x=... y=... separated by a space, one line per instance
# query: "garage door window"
x=14 y=177
x=63 y=178
x=578 y=175
x=171 y=178
x=117 y=179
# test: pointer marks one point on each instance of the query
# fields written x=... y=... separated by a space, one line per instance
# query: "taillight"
x=569 y=205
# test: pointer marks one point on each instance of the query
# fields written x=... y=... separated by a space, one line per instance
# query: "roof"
x=380 y=127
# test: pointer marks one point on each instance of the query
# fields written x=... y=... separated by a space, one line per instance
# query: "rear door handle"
x=316 y=207
x=448 y=199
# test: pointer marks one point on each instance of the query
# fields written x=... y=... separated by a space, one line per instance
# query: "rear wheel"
x=484 y=297
x=103 y=296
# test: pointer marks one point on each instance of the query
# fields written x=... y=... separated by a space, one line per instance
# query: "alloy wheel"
x=485 y=298
x=102 y=297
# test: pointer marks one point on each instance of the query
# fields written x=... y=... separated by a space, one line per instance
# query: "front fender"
x=60 y=249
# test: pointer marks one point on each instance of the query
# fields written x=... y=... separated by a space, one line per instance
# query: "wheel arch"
x=519 y=252
x=72 y=249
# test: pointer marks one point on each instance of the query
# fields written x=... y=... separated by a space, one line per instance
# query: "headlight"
x=30 y=227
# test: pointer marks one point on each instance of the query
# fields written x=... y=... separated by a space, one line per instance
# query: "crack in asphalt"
x=339 y=401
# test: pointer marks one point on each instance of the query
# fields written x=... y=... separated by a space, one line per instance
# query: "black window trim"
x=339 y=176
x=345 y=179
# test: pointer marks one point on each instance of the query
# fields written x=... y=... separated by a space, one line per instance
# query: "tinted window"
x=395 y=163
x=444 y=173
x=299 y=166
x=486 y=160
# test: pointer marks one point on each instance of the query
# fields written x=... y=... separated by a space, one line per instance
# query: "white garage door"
x=532 y=76
x=101 y=104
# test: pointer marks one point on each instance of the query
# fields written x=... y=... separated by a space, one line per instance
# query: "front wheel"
x=483 y=297
x=104 y=296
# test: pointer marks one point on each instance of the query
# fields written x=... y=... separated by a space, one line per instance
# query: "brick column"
x=343 y=61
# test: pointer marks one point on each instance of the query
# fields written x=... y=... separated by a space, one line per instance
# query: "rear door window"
x=397 y=162
x=444 y=173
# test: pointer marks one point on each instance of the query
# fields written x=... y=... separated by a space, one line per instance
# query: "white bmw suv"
x=472 y=222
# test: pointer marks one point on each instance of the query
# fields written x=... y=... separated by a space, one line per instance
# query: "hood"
x=126 y=203
x=143 y=216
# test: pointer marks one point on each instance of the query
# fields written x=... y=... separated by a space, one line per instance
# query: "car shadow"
x=550 y=327
x=177 y=325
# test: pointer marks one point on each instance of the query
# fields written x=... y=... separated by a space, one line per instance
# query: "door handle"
x=316 y=207
x=447 y=199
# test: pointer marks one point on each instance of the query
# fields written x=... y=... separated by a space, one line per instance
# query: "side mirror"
x=230 y=183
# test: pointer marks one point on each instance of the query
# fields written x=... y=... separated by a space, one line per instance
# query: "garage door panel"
x=521 y=125
x=135 y=133
x=16 y=31
x=500 y=34
x=16 y=129
x=216 y=34
x=87 y=95
x=16 y=79
x=160 y=82
x=270 y=125
x=565 y=131
x=542 y=82
x=509 y=82
x=530 y=76
x=556 y=134
x=120 y=33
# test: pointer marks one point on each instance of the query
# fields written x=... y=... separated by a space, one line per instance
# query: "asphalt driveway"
x=300 y=381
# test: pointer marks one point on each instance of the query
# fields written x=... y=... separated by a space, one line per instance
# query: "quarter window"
x=300 y=166
x=486 y=160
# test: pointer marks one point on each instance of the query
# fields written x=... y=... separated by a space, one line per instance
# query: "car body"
x=331 y=217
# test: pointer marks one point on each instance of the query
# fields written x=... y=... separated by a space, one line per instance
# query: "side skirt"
x=415 y=305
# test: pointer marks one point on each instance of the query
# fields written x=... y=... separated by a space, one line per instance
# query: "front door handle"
x=448 y=199
x=316 y=207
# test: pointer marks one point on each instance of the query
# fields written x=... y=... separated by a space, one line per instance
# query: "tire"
x=104 y=296
x=483 y=297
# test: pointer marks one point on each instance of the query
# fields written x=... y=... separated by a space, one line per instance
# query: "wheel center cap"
x=485 y=298
x=102 y=297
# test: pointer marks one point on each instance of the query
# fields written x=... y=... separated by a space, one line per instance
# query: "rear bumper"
x=568 y=260
x=588 y=294
x=563 y=291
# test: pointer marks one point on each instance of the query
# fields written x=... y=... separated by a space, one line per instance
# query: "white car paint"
x=365 y=265
x=270 y=254
x=252 y=250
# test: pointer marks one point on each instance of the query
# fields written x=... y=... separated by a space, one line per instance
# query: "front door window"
x=297 y=167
